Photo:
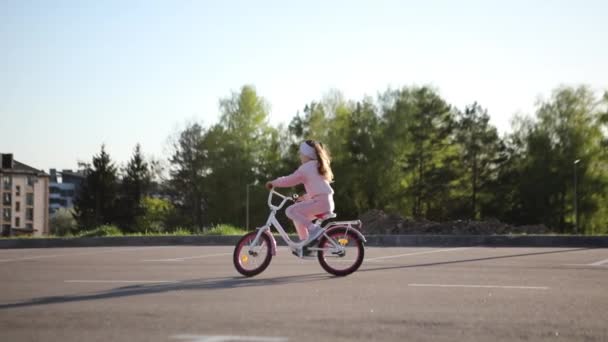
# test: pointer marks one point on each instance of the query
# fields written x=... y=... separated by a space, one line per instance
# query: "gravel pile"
x=379 y=222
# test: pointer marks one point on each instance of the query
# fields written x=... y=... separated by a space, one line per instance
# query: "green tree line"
x=407 y=151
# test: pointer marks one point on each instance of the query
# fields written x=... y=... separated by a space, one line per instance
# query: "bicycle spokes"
x=341 y=252
x=249 y=258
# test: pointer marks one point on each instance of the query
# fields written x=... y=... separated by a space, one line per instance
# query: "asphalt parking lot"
x=186 y=293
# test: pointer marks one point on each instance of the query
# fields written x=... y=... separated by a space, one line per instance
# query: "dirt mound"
x=379 y=222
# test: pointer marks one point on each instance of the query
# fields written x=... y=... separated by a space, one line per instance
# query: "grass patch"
x=176 y=232
x=225 y=229
x=113 y=231
x=101 y=231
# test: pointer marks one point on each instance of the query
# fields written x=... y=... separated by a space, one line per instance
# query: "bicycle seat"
x=325 y=216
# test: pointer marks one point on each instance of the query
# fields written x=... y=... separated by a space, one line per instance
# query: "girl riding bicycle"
x=339 y=245
x=316 y=175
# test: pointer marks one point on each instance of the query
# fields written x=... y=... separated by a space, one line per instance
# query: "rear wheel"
x=250 y=260
x=346 y=258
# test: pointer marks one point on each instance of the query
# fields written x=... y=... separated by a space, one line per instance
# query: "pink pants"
x=302 y=213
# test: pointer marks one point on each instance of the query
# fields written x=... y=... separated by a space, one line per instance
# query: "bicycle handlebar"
x=285 y=199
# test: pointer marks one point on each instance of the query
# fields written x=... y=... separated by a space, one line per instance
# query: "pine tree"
x=480 y=153
x=135 y=185
x=188 y=171
x=97 y=200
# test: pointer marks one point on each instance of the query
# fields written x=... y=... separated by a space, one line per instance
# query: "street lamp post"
x=575 y=198
x=247 y=208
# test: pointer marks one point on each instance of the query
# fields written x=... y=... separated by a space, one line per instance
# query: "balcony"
x=6 y=215
x=7 y=199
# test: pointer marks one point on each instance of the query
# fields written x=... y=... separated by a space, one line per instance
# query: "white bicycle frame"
x=272 y=221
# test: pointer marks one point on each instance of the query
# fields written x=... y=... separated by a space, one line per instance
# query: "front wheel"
x=346 y=258
x=250 y=260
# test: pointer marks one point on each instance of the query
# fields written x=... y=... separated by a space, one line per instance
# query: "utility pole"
x=575 y=198
x=247 y=208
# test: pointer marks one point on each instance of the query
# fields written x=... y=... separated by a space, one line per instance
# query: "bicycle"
x=334 y=247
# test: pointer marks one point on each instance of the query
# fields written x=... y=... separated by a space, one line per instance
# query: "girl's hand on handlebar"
x=269 y=185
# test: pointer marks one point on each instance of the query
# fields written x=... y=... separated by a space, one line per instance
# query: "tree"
x=418 y=125
x=135 y=185
x=570 y=121
x=363 y=161
x=408 y=152
x=212 y=168
x=187 y=171
x=241 y=150
x=97 y=200
x=481 y=153
x=313 y=123
x=567 y=127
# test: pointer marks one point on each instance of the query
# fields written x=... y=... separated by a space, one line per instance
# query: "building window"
x=29 y=199
x=59 y=201
x=6 y=214
x=7 y=199
x=29 y=214
x=6 y=181
x=30 y=180
x=6 y=229
x=29 y=226
x=18 y=190
x=17 y=222
x=17 y=206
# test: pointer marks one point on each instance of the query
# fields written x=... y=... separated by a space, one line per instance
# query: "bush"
x=225 y=229
x=105 y=230
x=156 y=211
x=62 y=222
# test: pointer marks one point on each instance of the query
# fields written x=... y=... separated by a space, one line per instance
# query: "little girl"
x=315 y=173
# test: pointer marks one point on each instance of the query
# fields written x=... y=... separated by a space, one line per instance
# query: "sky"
x=78 y=74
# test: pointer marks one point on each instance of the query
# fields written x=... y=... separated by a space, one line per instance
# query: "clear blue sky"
x=76 y=74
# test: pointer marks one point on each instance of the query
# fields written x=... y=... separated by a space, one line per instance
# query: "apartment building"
x=64 y=188
x=24 y=199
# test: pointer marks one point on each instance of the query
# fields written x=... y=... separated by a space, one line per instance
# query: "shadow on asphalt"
x=195 y=284
x=468 y=260
x=235 y=282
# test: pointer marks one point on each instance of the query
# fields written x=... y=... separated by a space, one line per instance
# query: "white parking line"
x=220 y=338
x=418 y=253
x=599 y=263
x=586 y=265
x=187 y=258
x=482 y=286
x=79 y=254
x=120 y=281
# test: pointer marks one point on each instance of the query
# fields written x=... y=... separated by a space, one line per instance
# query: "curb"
x=487 y=241
x=119 y=241
x=372 y=240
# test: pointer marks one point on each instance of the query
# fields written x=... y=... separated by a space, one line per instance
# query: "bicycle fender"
x=356 y=231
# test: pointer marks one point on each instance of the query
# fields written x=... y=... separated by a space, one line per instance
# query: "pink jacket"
x=308 y=174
